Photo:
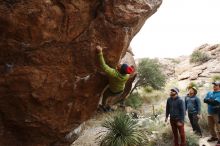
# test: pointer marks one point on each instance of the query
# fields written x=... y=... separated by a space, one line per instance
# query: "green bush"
x=203 y=121
x=134 y=100
x=150 y=74
x=192 y=84
x=192 y=139
x=198 y=57
x=159 y=134
x=167 y=134
x=148 y=89
x=122 y=130
x=201 y=84
x=159 y=110
x=175 y=61
x=151 y=124
x=216 y=78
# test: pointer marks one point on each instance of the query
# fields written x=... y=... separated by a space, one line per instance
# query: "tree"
x=149 y=74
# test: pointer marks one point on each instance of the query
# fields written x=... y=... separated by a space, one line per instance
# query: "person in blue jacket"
x=213 y=100
x=193 y=106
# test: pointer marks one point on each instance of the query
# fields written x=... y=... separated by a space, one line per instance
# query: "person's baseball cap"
x=175 y=90
x=195 y=90
x=216 y=83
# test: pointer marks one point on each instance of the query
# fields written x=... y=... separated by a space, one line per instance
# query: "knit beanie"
x=125 y=69
x=175 y=90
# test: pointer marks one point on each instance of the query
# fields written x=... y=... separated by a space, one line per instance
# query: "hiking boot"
x=100 y=108
x=108 y=109
x=199 y=134
x=212 y=139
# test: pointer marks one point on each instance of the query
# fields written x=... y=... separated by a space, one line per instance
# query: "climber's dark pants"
x=110 y=98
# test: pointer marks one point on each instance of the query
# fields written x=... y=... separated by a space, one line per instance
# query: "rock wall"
x=49 y=76
x=201 y=73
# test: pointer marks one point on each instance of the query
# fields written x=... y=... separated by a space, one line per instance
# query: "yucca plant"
x=122 y=130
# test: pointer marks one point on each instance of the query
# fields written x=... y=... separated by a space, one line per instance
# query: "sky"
x=177 y=28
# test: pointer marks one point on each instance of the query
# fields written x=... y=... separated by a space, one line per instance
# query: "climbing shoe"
x=101 y=108
x=212 y=139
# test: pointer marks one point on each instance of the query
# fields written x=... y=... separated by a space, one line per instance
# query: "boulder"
x=50 y=81
x=195 y=74
x=205 y=74
x=213 y=47
x=216 y=69
x=184 y=76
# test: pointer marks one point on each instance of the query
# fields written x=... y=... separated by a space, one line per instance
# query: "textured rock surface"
x=208 y=69
x=203 y=73
x=50 y=80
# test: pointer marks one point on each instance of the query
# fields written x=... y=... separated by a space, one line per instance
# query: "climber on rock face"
x=117 y=80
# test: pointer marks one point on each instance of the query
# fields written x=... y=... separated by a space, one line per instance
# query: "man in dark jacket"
x=176 y=110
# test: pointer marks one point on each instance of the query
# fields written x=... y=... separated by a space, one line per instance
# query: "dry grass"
x=154 y=96
x=203 y=122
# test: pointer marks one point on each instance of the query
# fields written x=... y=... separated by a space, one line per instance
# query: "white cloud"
x=177 y=28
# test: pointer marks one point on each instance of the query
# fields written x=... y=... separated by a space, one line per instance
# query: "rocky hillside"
x=201 y=73
x=50 y=81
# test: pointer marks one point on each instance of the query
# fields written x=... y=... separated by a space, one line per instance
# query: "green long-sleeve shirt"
x=116 y=80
